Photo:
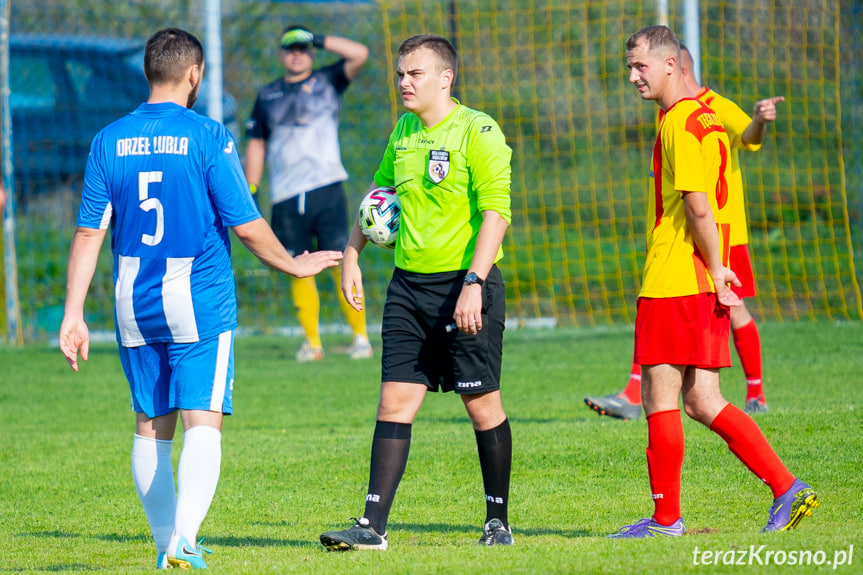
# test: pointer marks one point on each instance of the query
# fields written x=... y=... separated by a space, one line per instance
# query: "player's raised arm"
x=763 y=113
x=354 y=53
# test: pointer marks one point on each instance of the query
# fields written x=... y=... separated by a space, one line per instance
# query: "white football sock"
x=153 y=473
x=197 y=477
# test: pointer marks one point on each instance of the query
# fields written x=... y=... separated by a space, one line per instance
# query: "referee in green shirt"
x=444 y=314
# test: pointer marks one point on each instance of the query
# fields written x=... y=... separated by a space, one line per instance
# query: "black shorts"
x=324 y=218
x=418 y=347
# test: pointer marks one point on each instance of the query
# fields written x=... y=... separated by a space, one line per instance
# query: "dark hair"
x=169 y=53
x=446 y=55
x=656 y=38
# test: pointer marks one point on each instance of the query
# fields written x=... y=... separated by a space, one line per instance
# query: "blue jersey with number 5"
x=170 y=183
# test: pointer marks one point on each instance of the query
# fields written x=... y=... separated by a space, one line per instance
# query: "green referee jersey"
x=446 y=176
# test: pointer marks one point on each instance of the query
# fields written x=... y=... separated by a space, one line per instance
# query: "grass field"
x=295 y=463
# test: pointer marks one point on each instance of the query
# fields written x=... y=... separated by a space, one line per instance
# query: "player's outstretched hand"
x=74 y=336
x=723 y=280
x=309 y=264
x=765 y=110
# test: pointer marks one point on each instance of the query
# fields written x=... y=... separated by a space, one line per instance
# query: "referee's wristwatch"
x=471 y=278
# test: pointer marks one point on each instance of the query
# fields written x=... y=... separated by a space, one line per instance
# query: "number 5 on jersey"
x=147 y=204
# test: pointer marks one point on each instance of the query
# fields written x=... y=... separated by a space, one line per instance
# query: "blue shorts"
x=164 y=377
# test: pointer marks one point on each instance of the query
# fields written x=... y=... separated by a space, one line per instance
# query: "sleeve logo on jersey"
x=438 y=167
x=229 y=148
x=485 y=129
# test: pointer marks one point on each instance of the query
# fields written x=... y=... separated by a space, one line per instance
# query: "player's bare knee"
x=690 y=411
x=695 y=410
x=484 y=412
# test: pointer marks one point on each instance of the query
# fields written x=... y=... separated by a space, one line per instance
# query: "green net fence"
x=552 y=73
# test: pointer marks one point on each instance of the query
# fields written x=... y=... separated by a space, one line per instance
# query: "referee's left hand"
x=468 y=309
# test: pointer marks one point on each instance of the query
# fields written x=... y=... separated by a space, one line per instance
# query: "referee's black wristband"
x=318 y=41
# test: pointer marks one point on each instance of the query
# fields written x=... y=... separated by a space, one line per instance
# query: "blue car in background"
x=64 y=89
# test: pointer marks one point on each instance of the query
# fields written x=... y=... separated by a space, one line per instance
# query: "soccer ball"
x=379 y=216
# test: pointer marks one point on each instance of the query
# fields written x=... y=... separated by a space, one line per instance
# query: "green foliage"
x=295 y=462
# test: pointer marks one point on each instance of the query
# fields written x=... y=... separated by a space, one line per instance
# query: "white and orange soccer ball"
x=379 y=216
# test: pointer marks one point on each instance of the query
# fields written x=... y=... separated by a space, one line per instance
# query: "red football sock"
x=748 y=344
x=665 y=446
x=745 y=440
x=633 y=388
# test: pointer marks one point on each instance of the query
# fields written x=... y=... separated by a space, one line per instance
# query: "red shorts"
x=688 y=330
x=740 y=264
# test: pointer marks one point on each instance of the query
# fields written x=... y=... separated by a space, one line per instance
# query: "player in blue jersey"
x=169 y=183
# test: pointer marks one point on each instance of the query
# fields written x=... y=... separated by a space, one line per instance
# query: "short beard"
x=193 y=96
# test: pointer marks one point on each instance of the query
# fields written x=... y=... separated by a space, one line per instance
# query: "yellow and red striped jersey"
x=691 y=154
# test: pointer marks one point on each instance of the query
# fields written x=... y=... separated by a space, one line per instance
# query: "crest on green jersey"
x=438 y=165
